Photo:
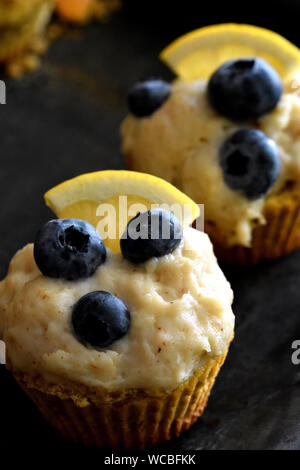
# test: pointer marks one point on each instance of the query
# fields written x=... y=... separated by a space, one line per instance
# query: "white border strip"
x=2 y=92
x=2 y=353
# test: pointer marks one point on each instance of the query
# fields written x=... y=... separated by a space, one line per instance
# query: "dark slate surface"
x=64 y=120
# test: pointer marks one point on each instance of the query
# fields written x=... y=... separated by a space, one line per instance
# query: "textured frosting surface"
x=180 y=310
x=180 y=142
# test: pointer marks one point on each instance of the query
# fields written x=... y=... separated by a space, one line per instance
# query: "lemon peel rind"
x=240 y=34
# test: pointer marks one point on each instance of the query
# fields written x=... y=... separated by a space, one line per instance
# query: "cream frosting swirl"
x=180 y=308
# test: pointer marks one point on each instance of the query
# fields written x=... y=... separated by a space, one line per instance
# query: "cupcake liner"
x=131 y=420
x=279 y=236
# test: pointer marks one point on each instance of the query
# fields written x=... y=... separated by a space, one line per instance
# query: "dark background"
x=64 y=120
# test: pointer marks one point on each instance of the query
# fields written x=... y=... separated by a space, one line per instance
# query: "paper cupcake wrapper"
x=279 y=236
x=135 y=422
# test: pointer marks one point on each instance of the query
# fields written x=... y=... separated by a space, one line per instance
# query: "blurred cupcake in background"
x=22 y=24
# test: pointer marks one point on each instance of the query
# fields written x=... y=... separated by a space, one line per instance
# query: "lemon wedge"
x=108 y=199
x=199 y=53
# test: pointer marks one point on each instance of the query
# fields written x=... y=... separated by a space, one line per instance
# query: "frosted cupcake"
x=231 y=142
x=117 y=349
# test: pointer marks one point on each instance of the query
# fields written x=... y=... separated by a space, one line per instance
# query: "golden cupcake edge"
x=131 y=419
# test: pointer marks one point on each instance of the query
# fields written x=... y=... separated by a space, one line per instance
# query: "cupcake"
x=231 y=141
x=21 y=24
x=117 y=350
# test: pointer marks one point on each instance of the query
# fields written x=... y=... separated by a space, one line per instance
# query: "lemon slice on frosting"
x=199 y=53
x=108 y=199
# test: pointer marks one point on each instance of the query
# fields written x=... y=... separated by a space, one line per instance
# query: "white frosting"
x=180 y=308
x=181 y=140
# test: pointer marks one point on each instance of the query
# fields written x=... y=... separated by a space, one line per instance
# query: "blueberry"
x=151 y=234
x=244 y=89
x=146 y=97
x=100 y=318
x=250 y=162
x=69 y=249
